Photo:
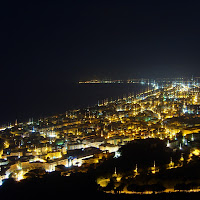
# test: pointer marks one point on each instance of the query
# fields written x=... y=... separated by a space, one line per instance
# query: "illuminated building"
x=107 y=126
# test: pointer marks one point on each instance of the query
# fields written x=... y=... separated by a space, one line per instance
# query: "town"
x=77 y=139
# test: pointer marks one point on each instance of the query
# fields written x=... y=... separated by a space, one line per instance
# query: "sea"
x=44 y=101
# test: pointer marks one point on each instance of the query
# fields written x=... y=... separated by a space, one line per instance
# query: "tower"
x=154 y=169
x=136 y=170
x=182 y=158
x=171 y=164
x=115 y=172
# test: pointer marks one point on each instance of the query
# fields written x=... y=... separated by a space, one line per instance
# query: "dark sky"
x=47 y=45
x=71 y=40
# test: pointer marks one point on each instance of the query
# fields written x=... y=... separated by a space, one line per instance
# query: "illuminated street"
x=79 y=138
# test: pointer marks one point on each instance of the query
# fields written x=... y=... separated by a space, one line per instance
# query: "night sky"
x=53 y=43
x=85 y=39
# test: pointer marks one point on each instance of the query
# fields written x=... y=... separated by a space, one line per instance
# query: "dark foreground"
x=76 y=186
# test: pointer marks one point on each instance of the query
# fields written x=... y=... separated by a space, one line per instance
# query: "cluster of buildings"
x=79 y=138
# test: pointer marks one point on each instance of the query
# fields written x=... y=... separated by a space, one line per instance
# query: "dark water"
x=44 y=100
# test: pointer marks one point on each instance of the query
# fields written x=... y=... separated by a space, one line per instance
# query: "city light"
x=79 y=138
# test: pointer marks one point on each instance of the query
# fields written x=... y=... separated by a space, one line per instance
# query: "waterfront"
x=43 y=100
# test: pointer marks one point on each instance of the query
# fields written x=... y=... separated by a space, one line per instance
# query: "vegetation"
x=140 y=152
x=80 y=185
x=51 y=186
x=144 y=153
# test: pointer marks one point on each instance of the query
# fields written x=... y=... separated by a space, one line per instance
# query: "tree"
x=157 y=187
x=132 y=187
x=120 y=188
x=143 y=152
x=181 y=186
x=193 y=185
x=110 y=185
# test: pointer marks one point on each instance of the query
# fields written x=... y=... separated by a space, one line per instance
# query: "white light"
x=186 y=142
x=7 y=174
x=192 y=138
x=183 y=140
x=70 y=163
x=20 y=176
x=117 y=154
x=168 y=144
